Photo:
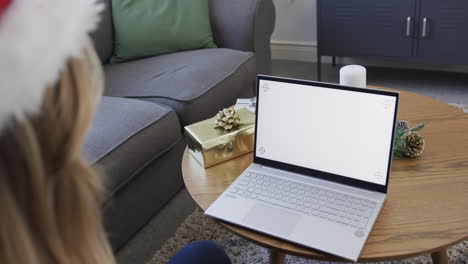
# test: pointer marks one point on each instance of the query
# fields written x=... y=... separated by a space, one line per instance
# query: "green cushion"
x=152 y=27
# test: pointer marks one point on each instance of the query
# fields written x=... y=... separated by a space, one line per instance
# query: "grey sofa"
x=136 y=139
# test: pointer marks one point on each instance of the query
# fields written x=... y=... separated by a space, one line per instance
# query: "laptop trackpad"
x=271 y=219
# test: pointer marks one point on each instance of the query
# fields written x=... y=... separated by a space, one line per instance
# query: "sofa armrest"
x=244 y=25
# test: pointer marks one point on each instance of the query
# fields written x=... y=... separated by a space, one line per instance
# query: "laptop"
x=321 y=166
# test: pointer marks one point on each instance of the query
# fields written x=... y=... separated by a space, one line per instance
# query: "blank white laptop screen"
x=336 y=131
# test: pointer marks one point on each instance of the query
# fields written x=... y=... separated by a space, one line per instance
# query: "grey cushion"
x=244 y=25
x=194 y=83
x=128 y=134
x=103 y=36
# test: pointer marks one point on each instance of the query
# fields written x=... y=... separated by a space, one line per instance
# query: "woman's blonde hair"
x=50 y=197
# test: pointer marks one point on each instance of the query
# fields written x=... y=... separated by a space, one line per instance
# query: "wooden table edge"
x=322 y=257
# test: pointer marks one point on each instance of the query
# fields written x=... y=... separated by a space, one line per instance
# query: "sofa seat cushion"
x=196 y=84
x=128 y=134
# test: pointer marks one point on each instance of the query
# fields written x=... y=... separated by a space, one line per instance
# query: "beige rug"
x=200 y=227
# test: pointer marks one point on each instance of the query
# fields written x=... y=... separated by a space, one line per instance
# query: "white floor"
x=444 y=86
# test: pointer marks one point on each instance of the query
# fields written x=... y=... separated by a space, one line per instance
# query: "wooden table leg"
x=440 y=257
x=276 y=257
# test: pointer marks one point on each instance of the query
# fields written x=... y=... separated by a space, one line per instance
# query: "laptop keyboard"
x=306 y=199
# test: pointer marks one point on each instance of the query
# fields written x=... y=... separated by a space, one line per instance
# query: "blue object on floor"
x=200 y=252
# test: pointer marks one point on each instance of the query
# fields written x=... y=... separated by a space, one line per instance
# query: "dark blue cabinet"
x=366 y=27
x=443 y=33
x=419 y=30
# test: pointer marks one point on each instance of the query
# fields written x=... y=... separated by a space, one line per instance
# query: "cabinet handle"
x=424 y=28
x=408 y=26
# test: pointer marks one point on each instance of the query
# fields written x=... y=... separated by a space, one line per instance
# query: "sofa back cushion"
x=103 y=36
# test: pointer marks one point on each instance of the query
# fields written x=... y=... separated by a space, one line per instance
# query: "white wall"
x=295 y=38
x=295 y=35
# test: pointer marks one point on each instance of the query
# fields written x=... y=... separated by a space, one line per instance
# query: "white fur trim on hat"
x=36 y=38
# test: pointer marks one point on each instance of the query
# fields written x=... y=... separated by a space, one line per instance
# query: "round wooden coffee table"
x=427 y=204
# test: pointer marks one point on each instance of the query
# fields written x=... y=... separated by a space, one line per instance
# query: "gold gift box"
x=210 y=145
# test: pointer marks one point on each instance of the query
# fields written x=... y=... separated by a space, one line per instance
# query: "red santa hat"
x=37 y=37
x=3 y=5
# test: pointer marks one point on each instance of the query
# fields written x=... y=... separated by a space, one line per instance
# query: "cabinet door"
x=443 y=31
x=366 y=27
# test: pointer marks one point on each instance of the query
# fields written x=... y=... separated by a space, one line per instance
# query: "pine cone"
x=403 y=125
x=414 y=144
x=227 y=118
